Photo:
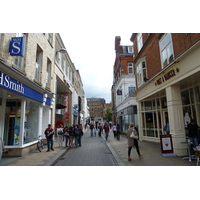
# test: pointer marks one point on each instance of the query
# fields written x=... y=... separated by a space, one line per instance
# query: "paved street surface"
x=96 y=151
x=93 y=152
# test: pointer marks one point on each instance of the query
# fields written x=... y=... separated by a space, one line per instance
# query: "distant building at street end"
x=97 y=108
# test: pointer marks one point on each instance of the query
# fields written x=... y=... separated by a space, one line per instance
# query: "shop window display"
x=13 y=114
x=31 y=121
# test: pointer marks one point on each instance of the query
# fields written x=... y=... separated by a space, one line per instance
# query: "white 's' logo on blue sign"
x=17 y=45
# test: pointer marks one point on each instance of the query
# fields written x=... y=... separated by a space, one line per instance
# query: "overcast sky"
x=90 y=42
x=88 y=29
x=94 y=56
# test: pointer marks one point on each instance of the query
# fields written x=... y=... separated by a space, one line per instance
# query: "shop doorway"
x=12 y=122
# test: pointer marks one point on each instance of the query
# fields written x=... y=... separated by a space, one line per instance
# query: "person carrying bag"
x=132 y=140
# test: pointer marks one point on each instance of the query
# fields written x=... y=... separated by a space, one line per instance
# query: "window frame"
x=165 y=49
x=130 y=67
x=48 y=73
x=139 y=41
x=140 y=73
x=130 y=49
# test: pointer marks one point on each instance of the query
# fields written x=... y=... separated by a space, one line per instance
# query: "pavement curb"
x=117 y=159
x=53 y=160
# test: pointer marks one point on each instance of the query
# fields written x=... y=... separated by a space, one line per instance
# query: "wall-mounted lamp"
x=44 y=99
x=62 y=50
x=53 y=100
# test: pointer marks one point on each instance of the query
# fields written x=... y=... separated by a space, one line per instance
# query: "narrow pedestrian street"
x=93 y=152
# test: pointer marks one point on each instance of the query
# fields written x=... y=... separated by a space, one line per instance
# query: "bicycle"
x=40 y=144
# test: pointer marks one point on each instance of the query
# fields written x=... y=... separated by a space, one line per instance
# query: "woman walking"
x=132 y=142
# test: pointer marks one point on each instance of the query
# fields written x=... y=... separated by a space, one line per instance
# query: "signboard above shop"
x=17 y=46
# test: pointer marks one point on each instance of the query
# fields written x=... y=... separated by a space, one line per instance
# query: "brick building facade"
x=96 y=108
x=124 y=102
x=167 y=69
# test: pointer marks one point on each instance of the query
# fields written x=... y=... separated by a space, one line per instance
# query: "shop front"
x=126 y=116
x=23 y=109
x=173 y=96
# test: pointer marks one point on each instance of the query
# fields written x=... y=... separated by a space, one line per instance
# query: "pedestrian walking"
x=76 y=134
x=49 y=136
x=114 y=129
x=80 y=134
x=132 y=142
x=100 y=129
x=106 y=129
x=71 y=136
x=66 y=134
x=60 y=135
x=91 y=129
x=118 y=132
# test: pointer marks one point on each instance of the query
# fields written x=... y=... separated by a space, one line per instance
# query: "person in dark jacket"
x=91 y=129
x=80 y=134
x=106 y=129
x=193 y=132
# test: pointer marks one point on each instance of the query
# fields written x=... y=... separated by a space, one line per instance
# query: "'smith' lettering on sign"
x=166 y=76
x=6 y=82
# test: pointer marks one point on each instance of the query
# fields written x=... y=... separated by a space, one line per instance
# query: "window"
x=19 y=60
x=64 y=67
x=131 y=91
x=48 y=73
x=130 y=49
x=50 y=38
x=70 y=75
x=38 y=66
x=59 y=58
x=139 y=41
x=141 y=73
x=130 y=68
x=166 y=50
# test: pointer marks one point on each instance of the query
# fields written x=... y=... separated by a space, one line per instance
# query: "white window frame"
x=139 y=41
x=38 y=66
x=37 y=72
x=141 y=73
x=50 y=38
x=130 y=49
x=48 y=74
x=64 y=66
x=130 y=67
x=59 y=59
x=166 y=47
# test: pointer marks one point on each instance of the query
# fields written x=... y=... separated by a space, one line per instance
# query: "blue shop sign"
x=8 y=83
x=17 y=45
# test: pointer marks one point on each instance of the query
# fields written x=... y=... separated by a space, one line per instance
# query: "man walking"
x=106 y=129
x=91 y=129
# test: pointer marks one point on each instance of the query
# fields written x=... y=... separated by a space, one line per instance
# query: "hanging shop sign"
x=119 y=92
x=17 y=45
